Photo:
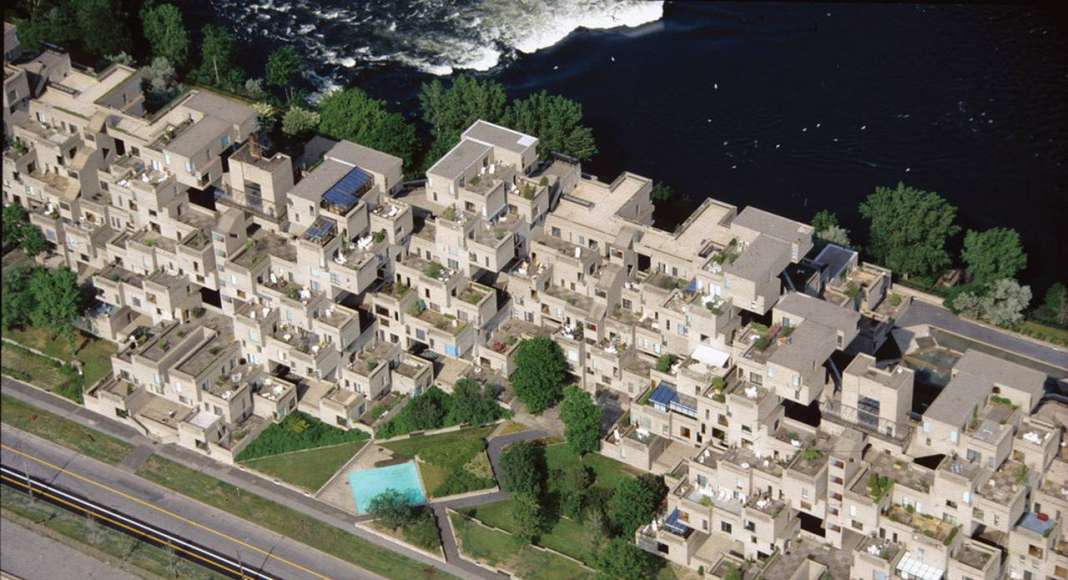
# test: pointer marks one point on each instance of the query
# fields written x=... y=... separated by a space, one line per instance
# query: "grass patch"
x=297 y=432
x=1044 y=332
x=21 y=364
x=452 y=462
x=62 y=431
x=285 y=521
x=566 y=536
x=510 y=427
x=308 y=469
x=501 y=550
x=94 y=353
x=608 y=472
x=95 y=539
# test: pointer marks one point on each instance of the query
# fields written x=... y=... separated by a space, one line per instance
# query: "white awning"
x=918 y=569
x=710 y=356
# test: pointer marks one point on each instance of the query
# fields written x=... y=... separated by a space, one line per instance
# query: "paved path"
x=327 y=514
x=30 y=555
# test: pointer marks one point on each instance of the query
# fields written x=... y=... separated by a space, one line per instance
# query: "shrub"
x=664 y=362
x=296 y=432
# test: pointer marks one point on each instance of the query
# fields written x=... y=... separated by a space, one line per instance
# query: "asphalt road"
x=158 y=506
x=32 y=556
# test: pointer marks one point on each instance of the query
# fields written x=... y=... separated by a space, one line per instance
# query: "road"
x=179 y=515
x=32 y=556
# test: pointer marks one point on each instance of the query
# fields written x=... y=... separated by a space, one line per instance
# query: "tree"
x=299 y=121
x=968 y=304
x=1055 y=303
x=823 y=220
x=473 y=403
x=522 y=468
x=622 y=560
x=557 y=123
x=661 y=192
x=528 y=517
x=166 y=33
x=282 y=64
x=350 y=114
x=635 y=502
x=101 y=26
x=392 y=508
x=993 y=254
x=58 y=300
x=539 y=374
x=14 y=220
x=826 y=226
x=575 y=481
x=664 y=362
x=47 y=21
x=218 y=57
x=582 y=421
x=18 y=301
x=1005 y=302
x=450 y=110
x=428 y=411
x=33 y=241
x=908 y=229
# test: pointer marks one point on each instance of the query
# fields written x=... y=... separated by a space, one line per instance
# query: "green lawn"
x=62 y=431
x=1044 y=332
x=453 y=462
x=608 y=472
x=23 y=365
x=500 y=550
x=298 y=432
x=309 y=469
x=285 y=521
x=94 y=353
x=566 y=536
x=97 y=540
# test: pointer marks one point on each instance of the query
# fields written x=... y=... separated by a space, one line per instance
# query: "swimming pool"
x=366 y=484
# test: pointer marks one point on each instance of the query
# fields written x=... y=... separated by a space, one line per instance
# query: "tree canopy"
x=528 y=516
x=557 y=123
x=1055 y=305
x=582 y=421
x=539 y=374
x=574 y=483
x=661 y=192
x=908 y=229
x=18 y=231
x=351 y=114
x=635 y=502
x=993 y=254
x=96 y=26
x=826 y=226
x=622 y=560
x=49 y=299
x=166 y=33
x=392 y=508
x=1002 y=303
x=522 y=468
x=282 y=65
x=474 y=403
x=218 y=60
x=449 y=110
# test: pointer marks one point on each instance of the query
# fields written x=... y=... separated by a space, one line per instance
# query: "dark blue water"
x=796 y=108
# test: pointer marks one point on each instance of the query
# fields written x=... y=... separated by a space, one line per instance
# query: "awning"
x=710 y=356
x=918 y=569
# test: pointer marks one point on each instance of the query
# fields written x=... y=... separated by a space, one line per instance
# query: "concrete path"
x=327 y=514
x=30 y=555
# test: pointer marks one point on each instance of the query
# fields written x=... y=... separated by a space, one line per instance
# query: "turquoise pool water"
x=366 y=484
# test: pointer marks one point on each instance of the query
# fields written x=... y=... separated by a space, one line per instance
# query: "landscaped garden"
x=498 y=549
x=93 y=354
x=451 y=463
x=302 y=450
x=471 y=403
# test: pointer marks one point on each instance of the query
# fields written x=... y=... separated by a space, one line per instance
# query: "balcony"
x=929 y=526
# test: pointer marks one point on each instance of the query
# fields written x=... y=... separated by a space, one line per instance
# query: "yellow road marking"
x=164 y=511
x=113 y=521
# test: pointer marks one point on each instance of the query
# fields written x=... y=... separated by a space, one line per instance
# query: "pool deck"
x=338 y=491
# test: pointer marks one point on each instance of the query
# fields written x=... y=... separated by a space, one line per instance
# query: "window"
x=725 y=527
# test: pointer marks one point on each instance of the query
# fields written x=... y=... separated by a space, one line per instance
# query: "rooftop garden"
x=879 y=486
x=929 y=526
x=727 y=255
x=434 y=270
x=472 y=294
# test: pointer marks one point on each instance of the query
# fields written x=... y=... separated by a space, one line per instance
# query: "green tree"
x=557 y=123
x=299 y=121
x=33 y=241
x=622 y=560
x=582 y=421
x=540 y=369
x=166 y=33
x=528 y=517
x=350 y=114
x=473 y=403
x=450 y=110
x=101 y=26
x=218 y=58
x=575 y=481
x=522 y=468
x=1055 y=304
x=46 y=21
x=823 y=220
x=1005 y=302
x=993 y=254
x=835 y=235
x=282 y=64
x=14 y=221
x=908 y=229
x=635 y=502
x=18 y=300
x=392 y=508
x=661 y=192
x=58 y=300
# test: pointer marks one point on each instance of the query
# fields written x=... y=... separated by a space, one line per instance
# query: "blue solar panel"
x=663 y=395
x=343 y=193
x=673 y=524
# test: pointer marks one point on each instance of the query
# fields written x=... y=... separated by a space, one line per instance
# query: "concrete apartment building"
x=749 y=360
